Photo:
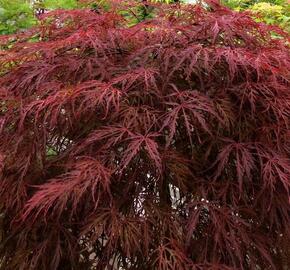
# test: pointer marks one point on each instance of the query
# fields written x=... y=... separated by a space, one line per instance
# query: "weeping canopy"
x=163 y=145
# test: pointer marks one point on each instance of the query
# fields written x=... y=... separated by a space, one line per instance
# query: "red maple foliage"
x=164 y=145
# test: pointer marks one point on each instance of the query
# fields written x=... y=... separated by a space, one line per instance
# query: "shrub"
x=164 y=145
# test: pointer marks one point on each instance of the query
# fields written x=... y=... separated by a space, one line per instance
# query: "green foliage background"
x=274 y=12
x=19 y=14
x=15 y=15
x=60 y=4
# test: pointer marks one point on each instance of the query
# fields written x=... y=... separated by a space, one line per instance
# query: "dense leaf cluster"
x=164 y=145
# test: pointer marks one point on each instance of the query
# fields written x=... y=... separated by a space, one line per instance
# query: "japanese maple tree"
x=163 y=145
